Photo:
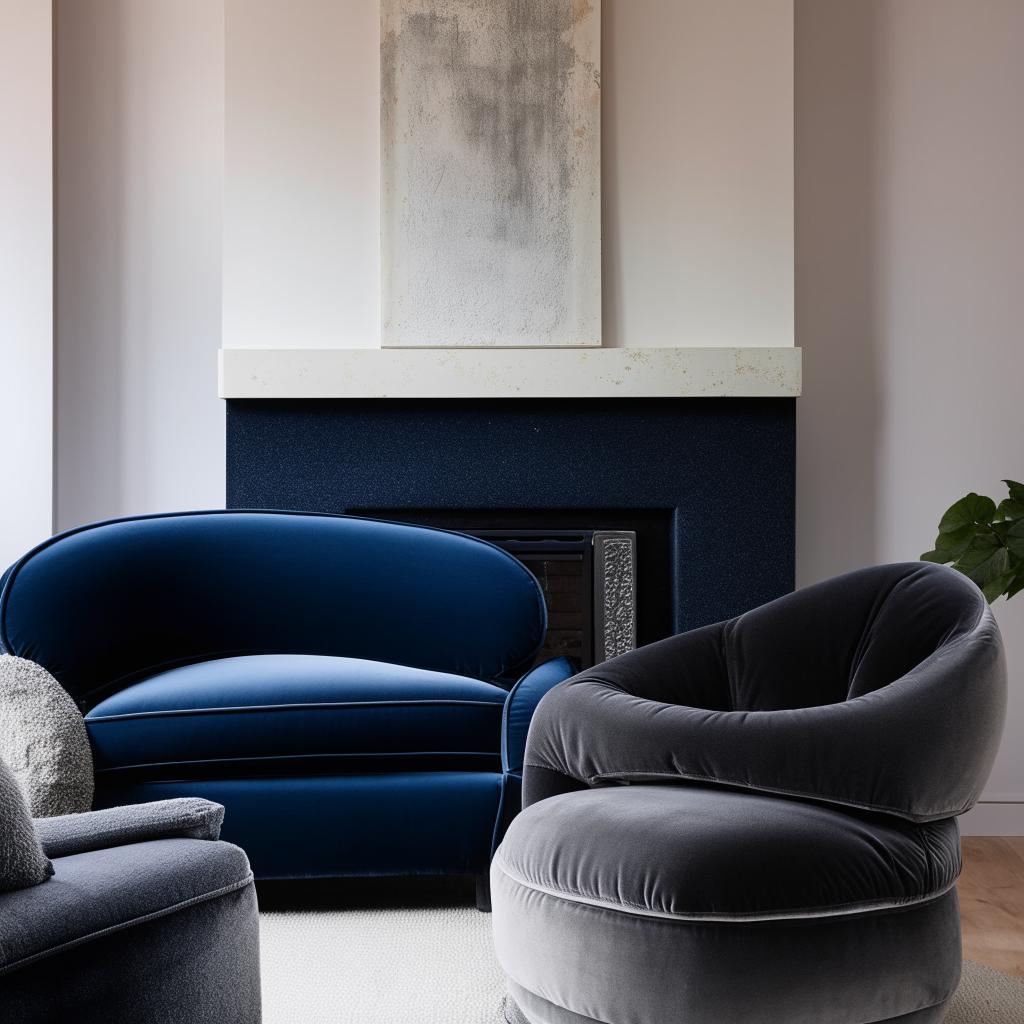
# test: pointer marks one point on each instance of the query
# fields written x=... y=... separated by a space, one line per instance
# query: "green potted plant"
x=985 y=541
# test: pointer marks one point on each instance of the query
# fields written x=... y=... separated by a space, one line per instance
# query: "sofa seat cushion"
x=724 y=856
x=278 y=714
x=92 y=894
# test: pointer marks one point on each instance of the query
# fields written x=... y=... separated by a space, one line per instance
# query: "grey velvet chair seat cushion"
x=94 y=894
x=884 y=689
x=700 y=853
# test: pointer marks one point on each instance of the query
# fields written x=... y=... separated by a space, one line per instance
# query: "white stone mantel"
x=748 y=372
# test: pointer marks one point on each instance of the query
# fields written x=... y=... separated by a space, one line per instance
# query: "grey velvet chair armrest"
x=883 y=690
x=182 y=818
x=687 y=671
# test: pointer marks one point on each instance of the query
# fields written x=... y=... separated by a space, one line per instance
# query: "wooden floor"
x=992 y=902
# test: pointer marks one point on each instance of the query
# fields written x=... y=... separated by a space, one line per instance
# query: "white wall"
x=301 y=221
x=910 y=156
x=26 y=258
x=698 y=233
x=140 y=122
x=910 y=289
x=697 y=164
x=697 y=173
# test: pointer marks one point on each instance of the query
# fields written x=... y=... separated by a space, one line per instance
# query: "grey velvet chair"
x=756 y=821
x=145 y=916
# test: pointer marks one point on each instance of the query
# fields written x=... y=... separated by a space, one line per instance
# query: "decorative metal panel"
x=614 y=593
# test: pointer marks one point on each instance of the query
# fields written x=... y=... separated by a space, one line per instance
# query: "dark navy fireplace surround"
x=723 y=468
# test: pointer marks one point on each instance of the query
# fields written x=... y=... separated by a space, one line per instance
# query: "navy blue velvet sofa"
x=356 y=693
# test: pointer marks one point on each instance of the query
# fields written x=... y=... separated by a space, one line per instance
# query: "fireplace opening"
x=605 y=574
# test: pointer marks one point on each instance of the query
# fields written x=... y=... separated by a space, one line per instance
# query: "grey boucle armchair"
x=146 y=916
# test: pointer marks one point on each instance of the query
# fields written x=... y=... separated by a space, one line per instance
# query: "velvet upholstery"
x=755 y=821
x=552 y=1014
x=285 y=708
x=572 y=963
x=392 y=823
x=341 y=685
x=723 y=855
x=177 y=589
x=521 y=704
x=883 y=689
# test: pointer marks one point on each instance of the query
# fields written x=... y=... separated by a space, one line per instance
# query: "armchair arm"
x=520 y=705
x=182 y=818
x=919 y=748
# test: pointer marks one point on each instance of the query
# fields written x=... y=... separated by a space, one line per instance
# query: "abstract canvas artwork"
x=491 y=172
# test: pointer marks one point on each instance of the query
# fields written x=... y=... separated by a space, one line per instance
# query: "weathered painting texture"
x=491 y=175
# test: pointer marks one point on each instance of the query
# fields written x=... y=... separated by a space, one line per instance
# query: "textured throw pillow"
x=43 y=739
x=22 y=861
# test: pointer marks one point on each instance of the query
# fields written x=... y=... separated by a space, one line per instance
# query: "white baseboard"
x=994 y=818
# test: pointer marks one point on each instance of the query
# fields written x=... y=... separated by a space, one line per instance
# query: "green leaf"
x=954 y=544
x=956 y=538
x=974 y=508
x=982 y=543
x=1016 y=490
x=1008 y=508
x=994 y=588
x=1015 y=539
x=984 y=560
x=985 y=541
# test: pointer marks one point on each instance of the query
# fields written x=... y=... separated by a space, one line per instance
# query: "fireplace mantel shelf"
x=750 y=372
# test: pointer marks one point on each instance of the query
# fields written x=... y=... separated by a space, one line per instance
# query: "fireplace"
x=604 y=572
x=705 y=484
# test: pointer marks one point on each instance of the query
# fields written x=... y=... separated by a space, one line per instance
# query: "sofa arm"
x=182 y=818
x=522 y=702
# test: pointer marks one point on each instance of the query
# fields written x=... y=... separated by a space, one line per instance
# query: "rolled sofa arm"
x=522 y=702
x=181 y=818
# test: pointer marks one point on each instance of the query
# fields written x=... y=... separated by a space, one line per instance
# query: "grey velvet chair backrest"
x=882 y=689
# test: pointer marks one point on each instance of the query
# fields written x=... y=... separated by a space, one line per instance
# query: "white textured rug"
x=435 y=965
x=380 y=967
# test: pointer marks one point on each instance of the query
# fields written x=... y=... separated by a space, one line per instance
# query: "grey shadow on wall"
x=91 y=310
x=837 y=113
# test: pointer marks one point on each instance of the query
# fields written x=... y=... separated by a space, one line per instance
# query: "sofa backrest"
x=104 y=605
